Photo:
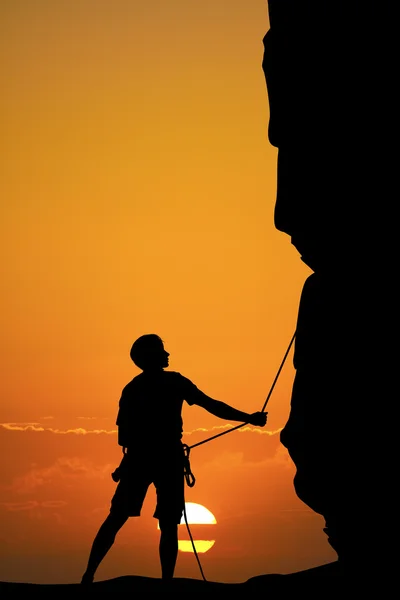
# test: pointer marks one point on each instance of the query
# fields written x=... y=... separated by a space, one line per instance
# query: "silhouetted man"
x=150 y=429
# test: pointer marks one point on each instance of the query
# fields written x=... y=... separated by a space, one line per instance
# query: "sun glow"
x=197 y=514
x=200 y=545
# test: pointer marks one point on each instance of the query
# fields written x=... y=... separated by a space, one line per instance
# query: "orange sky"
x=138 y=190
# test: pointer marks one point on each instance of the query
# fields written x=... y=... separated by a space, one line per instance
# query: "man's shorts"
x=165 y=470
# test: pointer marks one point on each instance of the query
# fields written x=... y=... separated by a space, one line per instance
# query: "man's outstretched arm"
x=227 y=412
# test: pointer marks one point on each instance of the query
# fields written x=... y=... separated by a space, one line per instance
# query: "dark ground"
x=321 y=582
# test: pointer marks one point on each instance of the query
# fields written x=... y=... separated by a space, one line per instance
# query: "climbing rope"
x=190 y=478
x=265 y=403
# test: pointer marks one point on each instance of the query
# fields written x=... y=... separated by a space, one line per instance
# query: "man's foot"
x=87 y=579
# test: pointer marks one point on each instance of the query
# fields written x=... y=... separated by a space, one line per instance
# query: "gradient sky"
x=138 y=190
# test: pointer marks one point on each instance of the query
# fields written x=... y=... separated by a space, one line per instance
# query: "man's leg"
x=102 y=544
x=168 y=548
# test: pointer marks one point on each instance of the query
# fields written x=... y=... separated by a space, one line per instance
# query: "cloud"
x=253 y=444
x=32 y=505
x=53 y=504
x=20 y=506
x=34 y=457
x=22 y=426
x=38 y=428
x=215 y=430
x=228 y=426
x=61 y=469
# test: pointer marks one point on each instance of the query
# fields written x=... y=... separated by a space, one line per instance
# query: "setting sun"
x=201 y=546
x=197 y=514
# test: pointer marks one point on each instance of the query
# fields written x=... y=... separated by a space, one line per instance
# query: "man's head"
x=148 y=352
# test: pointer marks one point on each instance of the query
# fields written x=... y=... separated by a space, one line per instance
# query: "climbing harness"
x=190 y=478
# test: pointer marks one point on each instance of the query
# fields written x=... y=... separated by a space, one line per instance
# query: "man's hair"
x=143 y=349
